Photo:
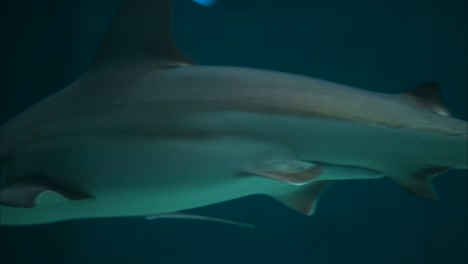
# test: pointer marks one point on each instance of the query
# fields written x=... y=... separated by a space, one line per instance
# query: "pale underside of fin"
x=142 y=30
x=186 y=216
x=28 y=192
x=296 y=172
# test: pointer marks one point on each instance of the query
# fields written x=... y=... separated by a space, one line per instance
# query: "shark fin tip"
x=420 y=183
x=428 y=96
x=304 y=200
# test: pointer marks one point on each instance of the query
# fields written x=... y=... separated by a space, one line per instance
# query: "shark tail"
x=420 y=182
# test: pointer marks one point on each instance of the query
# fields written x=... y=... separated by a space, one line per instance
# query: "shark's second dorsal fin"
x=428 y=96
x=141 y=30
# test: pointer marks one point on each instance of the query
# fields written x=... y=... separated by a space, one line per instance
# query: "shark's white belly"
x=132 y=177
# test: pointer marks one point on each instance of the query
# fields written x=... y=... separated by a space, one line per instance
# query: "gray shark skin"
x=147 y=132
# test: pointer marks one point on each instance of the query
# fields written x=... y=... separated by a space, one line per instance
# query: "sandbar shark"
x=145 y=131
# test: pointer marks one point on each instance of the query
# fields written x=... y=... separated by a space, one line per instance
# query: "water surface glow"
x=206 y=2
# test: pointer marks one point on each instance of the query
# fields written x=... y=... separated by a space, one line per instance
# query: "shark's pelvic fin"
x=186 y=216
x=428 y=96
x=419 y=183
x=296 y=172
x=141 y=30
x=28 y=192
x=303 y=199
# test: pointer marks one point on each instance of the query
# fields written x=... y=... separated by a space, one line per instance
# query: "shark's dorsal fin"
x=141 y=30
x=428 y=96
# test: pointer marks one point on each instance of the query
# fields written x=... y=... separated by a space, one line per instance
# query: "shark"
x=147 y=132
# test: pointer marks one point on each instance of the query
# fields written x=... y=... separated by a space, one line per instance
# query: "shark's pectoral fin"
x=296 y=172
x=419 y=182
x=303 y=199
x=186 y=216
x=28 y=191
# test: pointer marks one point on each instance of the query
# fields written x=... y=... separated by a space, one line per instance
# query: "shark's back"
x=142 y=88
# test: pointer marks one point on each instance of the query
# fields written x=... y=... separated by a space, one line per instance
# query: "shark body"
x=145 y=131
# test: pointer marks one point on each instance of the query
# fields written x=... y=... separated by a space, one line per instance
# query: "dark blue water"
x=386 y=46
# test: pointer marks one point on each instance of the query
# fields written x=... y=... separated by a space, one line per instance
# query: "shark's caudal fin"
x=139 y=30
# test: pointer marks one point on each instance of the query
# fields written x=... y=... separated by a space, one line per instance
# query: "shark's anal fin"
x=186 y=216
x=419 y=182
x=296 y=172
x=26 y=191
x=304 y=199
x=141 y=30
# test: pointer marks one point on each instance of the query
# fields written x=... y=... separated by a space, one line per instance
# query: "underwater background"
x=385 y=46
